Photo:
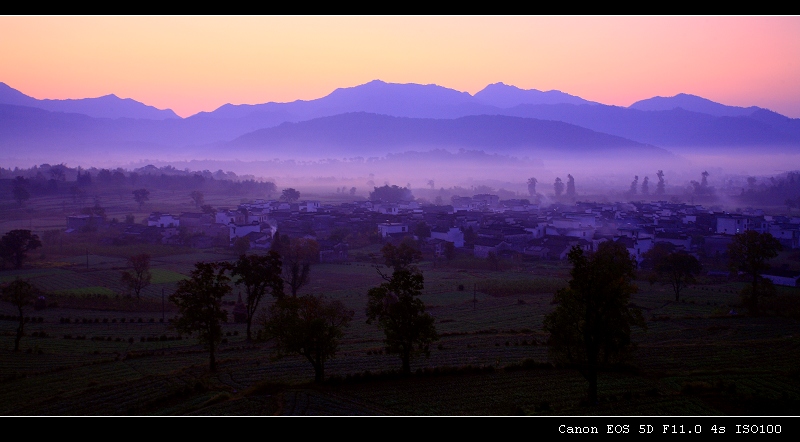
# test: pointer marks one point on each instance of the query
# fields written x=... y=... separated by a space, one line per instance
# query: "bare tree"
x=139 y=277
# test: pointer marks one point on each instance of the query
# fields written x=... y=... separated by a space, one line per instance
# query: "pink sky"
x=192 y=64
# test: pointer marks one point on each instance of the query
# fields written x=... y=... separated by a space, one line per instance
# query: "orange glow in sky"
x=193 y=64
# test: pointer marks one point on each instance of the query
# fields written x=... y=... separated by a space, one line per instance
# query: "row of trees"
x=310 y=325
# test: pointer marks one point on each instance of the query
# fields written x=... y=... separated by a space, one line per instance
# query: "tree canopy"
x=199 y=302
x=678 y=269
x=310 y=325
x=290 y=195
x=391 y=194
x=15 y=245
x=259 y=274
x=397 y=309
x=297 y=254
x=141 y=196
x=139 y=276
x=591 y=324
x=750 y=252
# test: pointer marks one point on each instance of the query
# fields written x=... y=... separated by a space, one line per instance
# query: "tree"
x=493 y=261
x=290 y=195
x=20 y=294
x=397 y=309
x=558 y=187
x=139 y=277
x=591 y=324
x=197 y=197
x=749 y=253
x=677 y=268
x=532 y=186
x=297 y=255
x=646 y=186
x=199 y=302
x=634 y=185
x=660 y=187
x=241 y=245
x=391 y=194
x=16 y=243
x=310 y=325
x=402 y=256
x=258 y=274
x=570 y=186
x=449 y=250
x=21 y=193
x=141 y=196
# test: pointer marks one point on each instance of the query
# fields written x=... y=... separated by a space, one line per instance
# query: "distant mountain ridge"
x=437 y=116
x=107 y=106
x=693 y=103
x=360 y=133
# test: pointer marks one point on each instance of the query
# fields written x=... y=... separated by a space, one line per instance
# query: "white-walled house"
x=453 y=235
x=387 y=229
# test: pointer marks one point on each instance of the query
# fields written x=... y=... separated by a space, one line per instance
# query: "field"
x=100 y=352
x=97 y=351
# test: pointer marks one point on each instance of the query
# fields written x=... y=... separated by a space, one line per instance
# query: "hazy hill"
x=107 y=106
x=693 y=103
x=374 y=135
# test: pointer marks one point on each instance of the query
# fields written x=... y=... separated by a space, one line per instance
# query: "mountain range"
x=377 y=118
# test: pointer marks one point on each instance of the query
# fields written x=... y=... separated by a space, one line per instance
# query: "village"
x=482 y=226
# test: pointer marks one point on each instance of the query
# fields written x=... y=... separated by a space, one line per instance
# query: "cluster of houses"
x=481 y=225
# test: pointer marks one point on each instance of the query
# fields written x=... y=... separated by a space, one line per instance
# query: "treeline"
x=47 y=179
x=783 y=189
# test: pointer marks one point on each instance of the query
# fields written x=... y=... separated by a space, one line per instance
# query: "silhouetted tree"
x=646 y=186
x=558 y=186
x=402 y=256
x=702 y=187
x=258 y=274
x=20 y=294
x=297 y=254
x=139 y=277
x=241 y=245
x=199 y=302
x=391 y=194
x=141 y=196
x=397 y=309
x=493 y=261
x=290 y=195
x=634 y=185
x=449 y=250
x=660 y=187
x=197 y=197
x=310 y=326
x=750 y=252
x=532 y=186
x=678 y=269
x=15 y=245
x=570 y=186
x=591 y=324
x=20 y=190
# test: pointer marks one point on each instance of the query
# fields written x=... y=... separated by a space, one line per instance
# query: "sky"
x=198 y=63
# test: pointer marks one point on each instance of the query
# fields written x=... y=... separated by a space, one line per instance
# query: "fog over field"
x=409 y=134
